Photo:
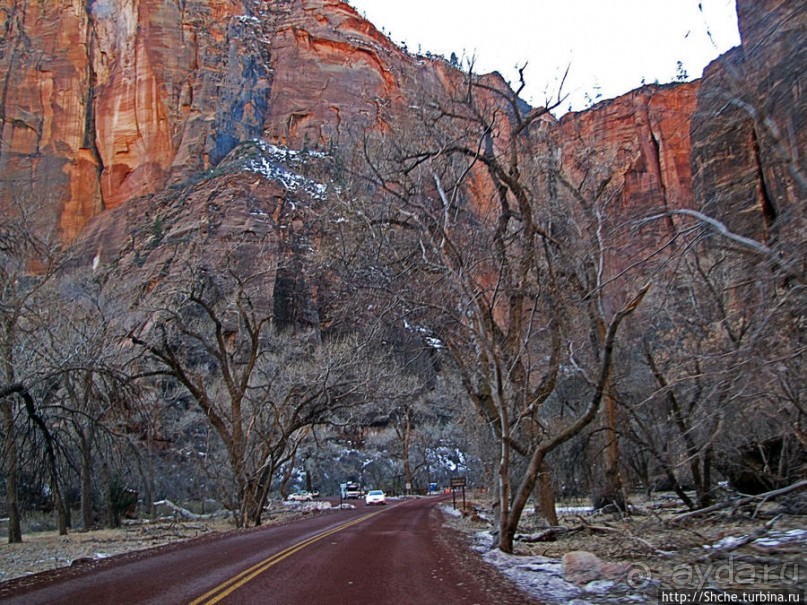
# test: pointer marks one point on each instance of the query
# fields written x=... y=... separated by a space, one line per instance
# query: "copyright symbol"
x=638 y=575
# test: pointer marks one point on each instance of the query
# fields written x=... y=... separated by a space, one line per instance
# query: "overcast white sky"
x=610 y=45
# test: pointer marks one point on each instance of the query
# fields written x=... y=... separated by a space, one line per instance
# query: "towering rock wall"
x=108 y=100
x=46 y=135
x=333 y=69
x=730 y=144
x=749 y=128
x=111 y=99
x=105 y=101
x=631 y=157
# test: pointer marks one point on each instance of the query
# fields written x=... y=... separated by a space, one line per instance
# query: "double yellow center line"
x=226 y=588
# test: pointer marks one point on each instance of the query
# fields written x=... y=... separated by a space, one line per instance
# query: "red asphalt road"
x=390 y=554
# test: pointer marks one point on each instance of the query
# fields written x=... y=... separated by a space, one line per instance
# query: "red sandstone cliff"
x=109 y=101
x=640 y=145
x=101 y=100
x=749 y=132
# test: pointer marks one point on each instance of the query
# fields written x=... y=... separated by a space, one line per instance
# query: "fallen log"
x=799 y=485
x=185 y=513
x=549 y=534
x=628 y=536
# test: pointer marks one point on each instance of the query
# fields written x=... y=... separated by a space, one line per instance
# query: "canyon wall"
x=103 y=101
x=632 y=155
x=749 y=131
x=110 y=101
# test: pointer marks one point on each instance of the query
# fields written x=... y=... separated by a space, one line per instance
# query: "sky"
x=609 y=46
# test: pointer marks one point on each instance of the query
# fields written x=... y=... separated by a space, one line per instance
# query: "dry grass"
x=46 y=550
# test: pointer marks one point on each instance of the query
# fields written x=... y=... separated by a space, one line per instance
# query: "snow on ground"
x=772 y=540
x=636 y=580
x=575 y=510
x=451 y=511
x=542 y=578
x=778 y=538
x=308 y=506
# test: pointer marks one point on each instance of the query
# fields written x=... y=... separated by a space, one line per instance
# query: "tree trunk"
x=612 y=489
x=149 y=478
x=528 y=483
x=86 y=484
x=407 y=442
x=63 y=520
x=248 y=490
x=546 y=496
x=502 y=518
x=252 y=507
x=506 y=533
x=252 y=513
x=14 y=524
x=109 y=505
x=703 y=487
x=678 y=489
x=286 y=477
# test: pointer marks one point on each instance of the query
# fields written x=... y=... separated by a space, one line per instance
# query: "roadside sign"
x=458 y=482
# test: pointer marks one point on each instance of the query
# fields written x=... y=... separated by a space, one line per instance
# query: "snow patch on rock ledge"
x=279 y=164
x=271 y=165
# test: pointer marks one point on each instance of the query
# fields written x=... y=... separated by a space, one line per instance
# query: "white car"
x=302 y=496
x=375 y=496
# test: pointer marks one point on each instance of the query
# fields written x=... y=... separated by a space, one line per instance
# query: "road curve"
x=392 y=554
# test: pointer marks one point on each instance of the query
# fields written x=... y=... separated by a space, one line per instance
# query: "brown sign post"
x=455 y=483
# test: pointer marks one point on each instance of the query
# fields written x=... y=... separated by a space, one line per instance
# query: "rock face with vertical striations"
x=749 y=127
x=108 y=100
x=632 y=154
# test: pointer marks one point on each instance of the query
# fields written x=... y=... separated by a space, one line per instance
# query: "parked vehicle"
x=301 y=496
x=352 y=489
x=375 y=496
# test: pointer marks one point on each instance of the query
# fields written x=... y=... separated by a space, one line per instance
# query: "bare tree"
x=463 y=230
x=722 y=352
x=28 y=261
x=260 y=390
x=95 y=394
